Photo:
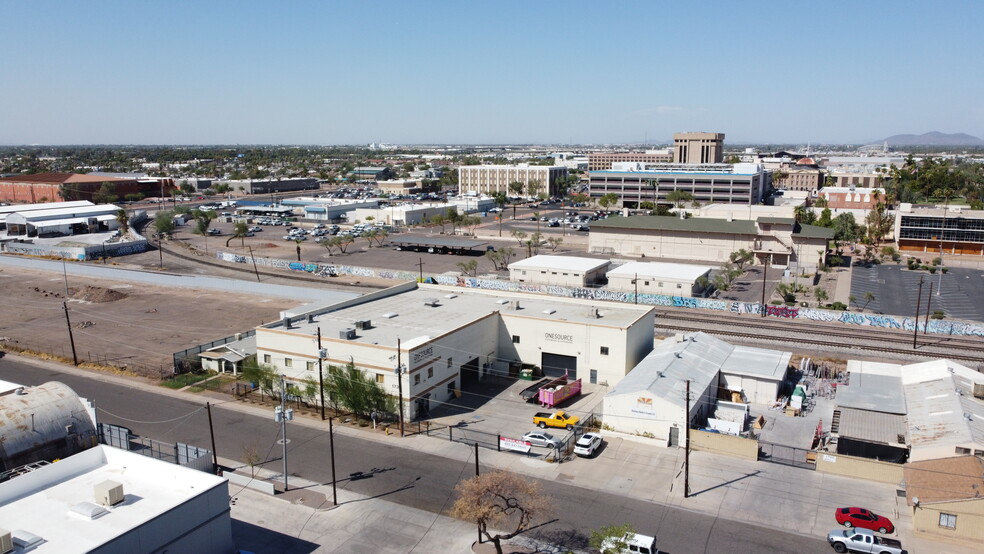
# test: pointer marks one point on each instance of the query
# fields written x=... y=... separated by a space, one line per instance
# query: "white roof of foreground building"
x=568 y=263
x=943 y=413
x=417 y=311
x=164 y=506
x=873 y=386
x=680 y=272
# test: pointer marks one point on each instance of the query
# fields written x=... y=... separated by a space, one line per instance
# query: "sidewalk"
x=795 y=500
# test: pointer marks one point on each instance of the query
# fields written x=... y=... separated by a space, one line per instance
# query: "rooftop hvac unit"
x=6 y=542
x=432 y=302
x=347 y=334
x=109 y=493
x=978 y=390
x=363 y=324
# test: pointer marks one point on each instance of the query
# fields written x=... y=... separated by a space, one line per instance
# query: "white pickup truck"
x=862 y=540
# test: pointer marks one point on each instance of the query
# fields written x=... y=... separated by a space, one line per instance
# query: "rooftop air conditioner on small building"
x=109 y=493
x=347 y=334
x=6 y=542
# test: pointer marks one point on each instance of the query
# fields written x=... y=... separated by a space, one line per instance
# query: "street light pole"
x=282 y=415
x=399 y=381
x=321 y=377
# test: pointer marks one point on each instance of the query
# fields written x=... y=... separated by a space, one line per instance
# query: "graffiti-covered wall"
x=943 y=327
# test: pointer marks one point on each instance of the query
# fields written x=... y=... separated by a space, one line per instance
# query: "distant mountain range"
x=934 y=139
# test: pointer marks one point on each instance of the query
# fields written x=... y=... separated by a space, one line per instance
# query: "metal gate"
x=786 y=455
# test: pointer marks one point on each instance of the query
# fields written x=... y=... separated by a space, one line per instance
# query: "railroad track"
x=819 y=336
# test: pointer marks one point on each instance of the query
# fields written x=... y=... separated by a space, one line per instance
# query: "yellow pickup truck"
x=557 y=419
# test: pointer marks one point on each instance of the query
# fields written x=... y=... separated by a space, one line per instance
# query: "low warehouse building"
x=946 y=498
x=659 y=278
x=564 y=271
x=651 y=399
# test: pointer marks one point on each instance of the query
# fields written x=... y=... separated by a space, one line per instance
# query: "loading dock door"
x=469 y=373
x=554 y=365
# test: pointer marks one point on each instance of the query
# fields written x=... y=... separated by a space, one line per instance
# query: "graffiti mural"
x=941 y=327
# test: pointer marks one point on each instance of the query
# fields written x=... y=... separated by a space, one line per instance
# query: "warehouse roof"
x=707 y=225
x=872 y=426
x=565 y=263
x=941 y=406
x=662 y=270
x=875 y=386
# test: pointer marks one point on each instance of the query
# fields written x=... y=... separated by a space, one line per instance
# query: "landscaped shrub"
x=838 y=306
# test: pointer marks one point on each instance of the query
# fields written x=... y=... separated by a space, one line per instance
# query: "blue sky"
x=414 y=72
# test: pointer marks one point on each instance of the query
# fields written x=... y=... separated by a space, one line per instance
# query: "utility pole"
x=331 y=446
x=765 y=270
x=321 y=379
x=211 y=431
x=929 y=303
x=686 y=452
x=282 y=414
x=65 y=274
x=915 y=330
x=253 y=259
x=476 y=475
x=420 y=265
x=635 y=282
x=71 y=338
x=399 y=381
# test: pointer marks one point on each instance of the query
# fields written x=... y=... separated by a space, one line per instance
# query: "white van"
x=638 y=544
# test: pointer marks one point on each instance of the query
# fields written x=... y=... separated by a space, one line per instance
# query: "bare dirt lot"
x=119 y=324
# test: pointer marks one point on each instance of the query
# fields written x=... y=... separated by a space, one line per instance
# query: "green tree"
x=608 y=200
x=263 y=376
x=239 y=231
x=203 y=220
x=520 y=236
x=468 y=268
x=679 y=197
x=612 y=539
x=554 y=242
x=779 y=179
x=123 y=220
x=516 y=188
x=106 y=194
x=741 y=257
x=825 y=218
x=821 y=295
x=164 y=223
x=352 y=388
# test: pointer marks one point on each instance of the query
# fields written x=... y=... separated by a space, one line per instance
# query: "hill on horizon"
x=934 y=138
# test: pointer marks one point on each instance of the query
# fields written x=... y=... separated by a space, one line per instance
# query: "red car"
x=865 y=519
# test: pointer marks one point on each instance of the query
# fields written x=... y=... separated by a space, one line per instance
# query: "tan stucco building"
x=599 y=161
x=564 y=271
x=698 y=148
x=487 y=179
x=774 y=240
x=946 y=499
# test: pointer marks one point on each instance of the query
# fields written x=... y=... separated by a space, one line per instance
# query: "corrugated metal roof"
x=435 y=240
x=873 y=386
x=941 y=408
x=698 y=357
x=872 y=426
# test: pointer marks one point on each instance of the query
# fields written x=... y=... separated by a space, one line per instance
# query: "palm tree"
x=239 y=230
x=123 y=220
x=778 y=177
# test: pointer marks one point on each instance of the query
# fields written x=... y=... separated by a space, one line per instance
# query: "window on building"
x=449 y=361
x=646 y=283
x=961 y=450
x=660 y=285
x=267 y=359
x=288 y=362
x=451 y=388
x=379 y=378
x=594 y=376
x=430 y=372
x=679 y=285
x=416 y=379
x=604 y=350
x=948 y=521
x=310 y=366
x=515 y=339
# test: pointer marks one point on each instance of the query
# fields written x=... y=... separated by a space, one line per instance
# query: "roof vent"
x=25 y=540
x=679 y=354
x=549 y=311
x=432 y=302
x=390 y=315
x=20 y=391
x=109 y=493
x=450 y=296
x=88 y=510
x=6 y=542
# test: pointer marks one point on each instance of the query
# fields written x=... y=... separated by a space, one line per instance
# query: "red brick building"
x=48 y=187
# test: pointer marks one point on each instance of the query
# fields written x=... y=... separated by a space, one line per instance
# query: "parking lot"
x=896 y=290
x=494 y=408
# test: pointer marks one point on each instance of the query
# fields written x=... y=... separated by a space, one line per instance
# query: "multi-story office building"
x=952 y=230
x=719 y=183
x=599 y=161
x=698 y=148
x=488 y=179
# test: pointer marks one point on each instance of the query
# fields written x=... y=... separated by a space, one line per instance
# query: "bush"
x=944 y=269
x=938 y=314
x=838 y=306
x=776 y=302
x=932 y=270
x=937 y=261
